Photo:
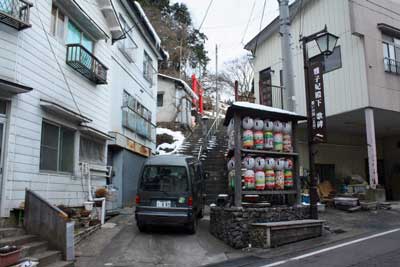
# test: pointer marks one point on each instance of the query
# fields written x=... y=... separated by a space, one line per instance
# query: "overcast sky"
x=226 y=23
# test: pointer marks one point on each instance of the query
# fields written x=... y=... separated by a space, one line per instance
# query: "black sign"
x=317 y=103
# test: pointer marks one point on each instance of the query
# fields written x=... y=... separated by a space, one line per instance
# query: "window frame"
x=392 y=49
x=122 y=45
x=322 y=58
x=96 y=141
x=59 y=147
x=147 y=67
x=160 y=103
x=54 y=31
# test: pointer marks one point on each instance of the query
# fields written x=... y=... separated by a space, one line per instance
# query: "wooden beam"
x=238 y=160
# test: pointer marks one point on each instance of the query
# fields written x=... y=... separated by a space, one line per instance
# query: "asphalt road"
x=124 y=246
x=372 y=250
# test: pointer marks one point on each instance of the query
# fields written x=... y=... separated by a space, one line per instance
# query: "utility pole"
x=287 y=64
x=216 y=81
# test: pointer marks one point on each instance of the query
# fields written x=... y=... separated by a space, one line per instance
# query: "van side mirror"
x=206 y=175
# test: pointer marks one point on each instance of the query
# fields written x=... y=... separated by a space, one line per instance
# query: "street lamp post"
x=326 y=43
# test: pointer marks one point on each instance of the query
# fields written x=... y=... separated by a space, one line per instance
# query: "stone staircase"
x=32 y=247
x=213 y=158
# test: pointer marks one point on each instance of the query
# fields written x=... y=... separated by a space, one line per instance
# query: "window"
x=137 y=117
x=391 y=54
x=165 y=178
x=91 y=151
x=57 y=23
x=56 y=148
x=331 y=62
x=148 y=68
x=76 y=36
x=127 y=46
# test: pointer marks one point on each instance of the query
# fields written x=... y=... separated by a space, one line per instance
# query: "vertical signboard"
x=317 y=103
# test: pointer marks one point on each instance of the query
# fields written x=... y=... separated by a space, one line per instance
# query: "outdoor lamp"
x=326 y=42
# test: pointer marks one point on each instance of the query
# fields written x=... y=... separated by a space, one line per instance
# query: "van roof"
x=169 y=160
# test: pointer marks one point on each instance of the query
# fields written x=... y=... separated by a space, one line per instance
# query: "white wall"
x=37 y=68
x=345 y=88
x=129 y=76
x=166 y=113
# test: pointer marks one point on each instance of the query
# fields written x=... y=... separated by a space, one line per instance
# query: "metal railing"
x=50 y=223
x=392 y=65
x=274 y=97
x=84 y=62
x=15 y=13
x=210 y=133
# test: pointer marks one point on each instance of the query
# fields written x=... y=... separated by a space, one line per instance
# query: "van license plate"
x=163 y=204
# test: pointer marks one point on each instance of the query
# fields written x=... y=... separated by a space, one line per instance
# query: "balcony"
x=84 y=62
x=392 y=66
x=138 y=124
x=15 y=13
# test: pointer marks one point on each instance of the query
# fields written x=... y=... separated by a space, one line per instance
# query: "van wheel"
x=142 y=228
x=192 y=227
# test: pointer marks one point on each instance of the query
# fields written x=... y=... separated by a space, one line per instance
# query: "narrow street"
x=124 y=245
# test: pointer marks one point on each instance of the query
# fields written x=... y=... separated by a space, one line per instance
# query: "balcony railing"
x=84 y=62
x=15 y=13
x=392 y=65
x=138 y=124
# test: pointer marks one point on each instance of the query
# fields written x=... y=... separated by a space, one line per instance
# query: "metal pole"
x=371 y=143
x=216 y=81
x=238 y=160
x=287 y=64
x=311 y=146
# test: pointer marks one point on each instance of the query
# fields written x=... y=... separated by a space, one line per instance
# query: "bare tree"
x=239 y=69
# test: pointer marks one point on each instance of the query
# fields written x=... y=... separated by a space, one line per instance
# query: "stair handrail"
x=49 y=223
x=211 y=132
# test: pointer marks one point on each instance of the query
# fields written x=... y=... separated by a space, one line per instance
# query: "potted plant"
x=9 y=255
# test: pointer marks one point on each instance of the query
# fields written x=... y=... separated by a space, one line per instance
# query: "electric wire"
x=261 y=21
x=248 y=23
x=205 y=15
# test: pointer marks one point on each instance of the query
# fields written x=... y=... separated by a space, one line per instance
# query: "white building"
x=362 y=85
x=174 y=101
x=134 y=65
x=57 y=92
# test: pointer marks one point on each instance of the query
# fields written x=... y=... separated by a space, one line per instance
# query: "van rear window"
x=165 y=178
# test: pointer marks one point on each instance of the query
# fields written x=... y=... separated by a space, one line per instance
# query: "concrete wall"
x=174 y=96
x=132 y=165
x=167 y=112
x=383 y=87
x=345 y=88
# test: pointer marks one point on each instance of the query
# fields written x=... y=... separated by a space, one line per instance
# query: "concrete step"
x=47 y=257
x=33 y=248
x=17 y=240
x=11 y=231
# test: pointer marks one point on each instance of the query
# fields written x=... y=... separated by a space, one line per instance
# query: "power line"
x=248 y=23
x=205 y=15
x=383 y=7
x=261 y=21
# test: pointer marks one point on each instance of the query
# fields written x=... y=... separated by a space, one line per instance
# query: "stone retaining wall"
x=232 y=224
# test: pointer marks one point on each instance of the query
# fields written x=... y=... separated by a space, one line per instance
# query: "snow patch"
x=139 y=7
x=165 y=148
x=263 y=108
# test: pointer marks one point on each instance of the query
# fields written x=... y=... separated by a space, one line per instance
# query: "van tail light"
x=190 y=201
x=137 y=199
